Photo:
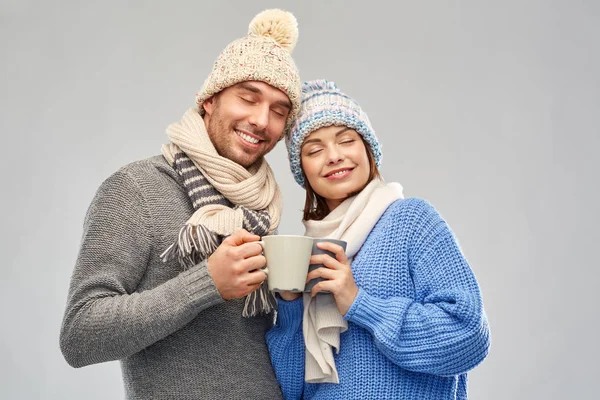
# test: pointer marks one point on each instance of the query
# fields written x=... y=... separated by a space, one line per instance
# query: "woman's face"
x=335 y=162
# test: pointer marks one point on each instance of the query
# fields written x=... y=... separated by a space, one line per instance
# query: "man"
x=167 y=264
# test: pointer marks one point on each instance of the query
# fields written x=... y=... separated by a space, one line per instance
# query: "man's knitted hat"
x=323 y=104
x=264 y=55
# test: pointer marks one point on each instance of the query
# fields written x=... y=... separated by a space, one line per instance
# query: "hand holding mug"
x=235 y=265
x=337 y=275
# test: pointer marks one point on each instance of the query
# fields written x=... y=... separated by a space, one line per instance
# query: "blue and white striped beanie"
x=324 y=105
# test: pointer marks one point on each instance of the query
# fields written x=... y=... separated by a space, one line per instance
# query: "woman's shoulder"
x=412 y=214
x=412 y=208
x=418 y=219
x=403 y=221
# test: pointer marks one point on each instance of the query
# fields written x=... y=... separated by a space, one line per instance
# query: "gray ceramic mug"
x=315 y=251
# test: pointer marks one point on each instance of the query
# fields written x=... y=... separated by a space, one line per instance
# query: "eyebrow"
x=338 y=133
x=251 y=88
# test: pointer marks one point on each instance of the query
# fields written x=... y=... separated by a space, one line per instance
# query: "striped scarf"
x=225 y=197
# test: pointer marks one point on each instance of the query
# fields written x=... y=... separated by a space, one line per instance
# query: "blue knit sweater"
x=416 y=326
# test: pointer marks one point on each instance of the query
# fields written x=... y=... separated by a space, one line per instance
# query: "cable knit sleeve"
x=106 y=318
x=443 y=330
x=286 y=347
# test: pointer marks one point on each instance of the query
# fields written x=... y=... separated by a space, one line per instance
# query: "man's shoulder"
x=149 y=181
x=143 y=175
x=146 y=166
x=148 y=170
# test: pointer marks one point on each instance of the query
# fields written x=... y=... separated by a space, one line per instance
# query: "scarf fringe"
x=192 y=154
x=261 y=301
x=192 y=248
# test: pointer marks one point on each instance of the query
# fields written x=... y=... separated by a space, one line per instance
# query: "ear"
x=209 y=105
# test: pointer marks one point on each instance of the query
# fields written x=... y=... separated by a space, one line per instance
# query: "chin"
x=245 y=162
x=337 y=196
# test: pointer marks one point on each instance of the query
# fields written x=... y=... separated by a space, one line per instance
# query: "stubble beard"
x=223 y=139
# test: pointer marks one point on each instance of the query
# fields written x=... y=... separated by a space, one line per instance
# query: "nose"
x=334 y=155
x=259 y=118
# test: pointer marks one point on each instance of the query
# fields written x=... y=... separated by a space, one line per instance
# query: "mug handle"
x=263 y=269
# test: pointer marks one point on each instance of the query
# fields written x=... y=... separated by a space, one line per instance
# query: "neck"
x=333 y=204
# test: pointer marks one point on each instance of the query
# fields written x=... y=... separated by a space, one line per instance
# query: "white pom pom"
x=277 y=24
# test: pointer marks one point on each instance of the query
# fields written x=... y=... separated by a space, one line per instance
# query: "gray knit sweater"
x=175 y=336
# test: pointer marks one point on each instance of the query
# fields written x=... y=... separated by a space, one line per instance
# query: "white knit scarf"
x=238 y=197
x=351 y=221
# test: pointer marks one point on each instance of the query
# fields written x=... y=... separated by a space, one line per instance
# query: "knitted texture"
x=254 y=188
x=175 y=336
x=416 y=326
x=253 y=199
x=264 y=55
x=197 y=243
x=351 y=221
x=323 y=104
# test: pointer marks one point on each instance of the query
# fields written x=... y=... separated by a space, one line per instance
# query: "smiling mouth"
x=247 y=138
x=339 y=173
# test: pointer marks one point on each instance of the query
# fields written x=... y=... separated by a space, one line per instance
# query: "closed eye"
x=279 y=113
x=249 y=101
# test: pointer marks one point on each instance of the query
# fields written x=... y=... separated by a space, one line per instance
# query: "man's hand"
x=234 y=265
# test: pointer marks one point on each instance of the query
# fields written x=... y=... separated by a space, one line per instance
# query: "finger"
x=324 y=273
x=254 y=288
x=249 y=289
x=336 y=249
x=251 y=263
x=326 y=260
x=240 y=237
x=324 y=286
x=247 y=250
x=256 y=277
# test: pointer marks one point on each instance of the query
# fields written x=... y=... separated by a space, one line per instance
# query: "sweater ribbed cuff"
x=369 y=311
x=289 y=313
x=200 y=287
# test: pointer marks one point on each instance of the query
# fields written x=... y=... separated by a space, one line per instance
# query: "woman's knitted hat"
x=264 y=55
x=323 y=104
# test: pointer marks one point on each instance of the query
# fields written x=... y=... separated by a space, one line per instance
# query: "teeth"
x=338 y=173
x=247 y=138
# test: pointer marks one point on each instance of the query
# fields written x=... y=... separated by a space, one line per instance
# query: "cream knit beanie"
x=263 y=55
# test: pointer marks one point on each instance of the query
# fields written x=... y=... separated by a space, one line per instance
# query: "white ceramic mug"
x=288 y=257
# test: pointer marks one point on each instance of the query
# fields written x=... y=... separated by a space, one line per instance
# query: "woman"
x=399 y=315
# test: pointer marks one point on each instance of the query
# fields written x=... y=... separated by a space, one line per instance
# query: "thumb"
x=240 y=237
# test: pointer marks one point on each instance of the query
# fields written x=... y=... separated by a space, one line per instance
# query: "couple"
x=168 y=277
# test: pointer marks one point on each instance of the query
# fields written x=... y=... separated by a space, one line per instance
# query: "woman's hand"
x=337 y=274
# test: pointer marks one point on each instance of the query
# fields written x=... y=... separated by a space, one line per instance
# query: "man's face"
x=245 y=121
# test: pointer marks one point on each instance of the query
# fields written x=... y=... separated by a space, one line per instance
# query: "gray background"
x=487 y=109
